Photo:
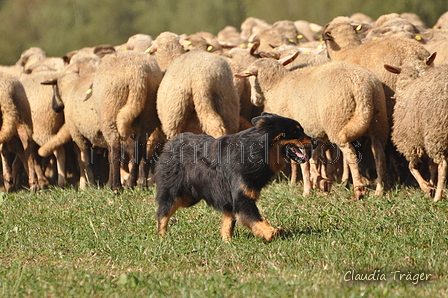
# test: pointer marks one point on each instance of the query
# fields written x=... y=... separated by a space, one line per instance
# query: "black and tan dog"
x=228 y=172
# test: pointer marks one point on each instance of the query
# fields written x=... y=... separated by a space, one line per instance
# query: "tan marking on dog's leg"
x=228 y=224
x=350 y=157
x=162 y=223
x=250 y=193
x=261 y=229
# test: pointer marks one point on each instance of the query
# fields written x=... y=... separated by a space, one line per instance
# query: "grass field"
x=69 y=243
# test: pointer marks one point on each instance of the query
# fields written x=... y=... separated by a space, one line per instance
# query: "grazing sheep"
x=420 y=120
x=197 y=94
x=335 y=102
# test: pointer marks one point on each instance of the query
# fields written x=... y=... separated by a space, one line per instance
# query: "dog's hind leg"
x=166 y=210
x=228 y=224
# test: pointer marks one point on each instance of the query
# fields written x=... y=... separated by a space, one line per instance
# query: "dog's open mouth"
x=296 y=153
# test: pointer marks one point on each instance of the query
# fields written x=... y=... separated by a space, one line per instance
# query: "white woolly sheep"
x=344 y=43
x=16 y=121
x=335 y=102
x=420 y=120
x=46 y=122
x=197 y=94
x=166 y=47
x=121 y=108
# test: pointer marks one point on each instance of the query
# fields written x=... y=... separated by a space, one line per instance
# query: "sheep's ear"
x=245 y=74
x=273 y=55
x=253 y=47
x=392 y=69
x=285 y=61
x=50 y=82
x=88 y=92
x=431 y=58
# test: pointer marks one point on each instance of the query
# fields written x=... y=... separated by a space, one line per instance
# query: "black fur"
x=228 y=172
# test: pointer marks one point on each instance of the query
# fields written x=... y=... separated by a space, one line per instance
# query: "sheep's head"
x=342 y=34
x=410 y=71
x=252 y=72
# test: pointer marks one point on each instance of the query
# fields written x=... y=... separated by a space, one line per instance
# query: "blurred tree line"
x=59 y=26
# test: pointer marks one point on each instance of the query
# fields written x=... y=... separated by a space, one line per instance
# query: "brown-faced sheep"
x=335 y=102
x=420 y=119
x=197 y=94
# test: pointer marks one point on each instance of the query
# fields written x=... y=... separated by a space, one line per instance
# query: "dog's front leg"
x=250 y=216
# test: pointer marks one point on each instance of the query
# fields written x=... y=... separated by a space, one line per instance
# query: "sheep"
x=251 y=26
x=442 y=21
x=137 y=42
x=46 y=122
x=121 y=107
x=335 y=102
x=16 y=122
x=281 y=33
x=166 y=48
x=229 y=37
x=420 y=118
x=197 y=94
x=344 y=43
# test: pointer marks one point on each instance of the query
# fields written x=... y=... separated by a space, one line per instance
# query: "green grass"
x=69 y=243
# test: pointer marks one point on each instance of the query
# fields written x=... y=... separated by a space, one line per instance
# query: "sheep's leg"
x=8 y=179
x=433 y=168
x=345 y=170
x=442 y=167
x=329 y=169
x=424 y=185
x=31 y=161
x=114 y=162
x=305 y=167
x=380 y=165
x=59 y=153
x=350 y=157
x=294 y=172
x=136 y=151
x=317 y=167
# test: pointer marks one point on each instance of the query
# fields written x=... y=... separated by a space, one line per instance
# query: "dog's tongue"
x=300 y=154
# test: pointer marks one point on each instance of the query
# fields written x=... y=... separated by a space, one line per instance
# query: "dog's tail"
x=363 y=94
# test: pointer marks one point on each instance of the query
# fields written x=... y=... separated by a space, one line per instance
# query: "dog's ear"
x=264 y=120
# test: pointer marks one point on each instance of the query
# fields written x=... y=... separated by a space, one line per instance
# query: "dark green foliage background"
x=59 y=26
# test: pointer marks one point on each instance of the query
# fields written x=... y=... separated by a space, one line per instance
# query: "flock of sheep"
x=356 y=81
